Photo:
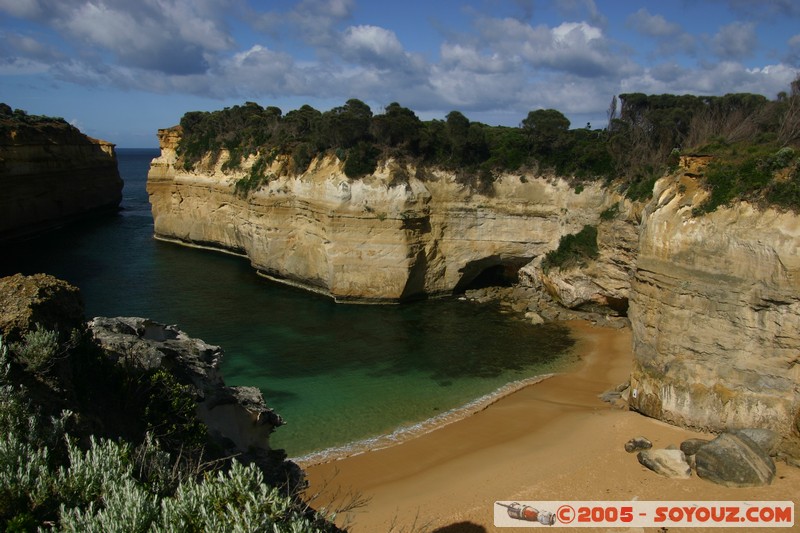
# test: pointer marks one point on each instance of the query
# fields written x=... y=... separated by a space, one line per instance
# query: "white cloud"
x=371 y=44
x=171 y=36
x=575 y=33
x=793 y=54
x=735 y=41
x=711 y=79
x=467 y=58
x=576 y=48
x=582 y=9
x=313 y=50
x=670 y=37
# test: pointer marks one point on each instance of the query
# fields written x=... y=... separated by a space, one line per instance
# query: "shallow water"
x=336 y=373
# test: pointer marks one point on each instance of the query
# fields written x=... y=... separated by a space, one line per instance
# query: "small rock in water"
x=638 y=443
x=668 y=463
x=691 y=446
x=734 y=461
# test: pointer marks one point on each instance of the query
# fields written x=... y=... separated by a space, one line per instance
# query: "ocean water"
x=349 y=376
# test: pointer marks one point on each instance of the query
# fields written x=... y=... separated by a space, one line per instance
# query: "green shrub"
x=38 y=348
x=47 y=481
x=610 y=213
x=640 y=187
x=786 y=193
x=748 y=178
x=361 y=160
x=573 y=249
x=169 y=411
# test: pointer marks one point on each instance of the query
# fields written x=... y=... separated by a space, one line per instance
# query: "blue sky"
x=121 y=69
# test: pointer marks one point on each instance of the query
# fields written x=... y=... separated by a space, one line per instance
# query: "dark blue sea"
x=338 y=374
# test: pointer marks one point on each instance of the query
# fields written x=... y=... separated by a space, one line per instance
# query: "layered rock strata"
x=52 y=178
x=398 y=234
x=715 y=312
x=714 y=298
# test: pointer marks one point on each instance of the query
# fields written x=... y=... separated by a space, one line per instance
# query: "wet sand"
x=554 y=440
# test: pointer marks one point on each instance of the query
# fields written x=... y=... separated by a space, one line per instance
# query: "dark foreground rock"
x=767 y=440
x=125 y=378
x=734 y=460
x=26 y=301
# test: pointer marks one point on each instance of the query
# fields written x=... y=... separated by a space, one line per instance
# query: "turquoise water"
x=336 y=373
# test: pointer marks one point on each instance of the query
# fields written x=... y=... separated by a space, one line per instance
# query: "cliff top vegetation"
x=645 y=136
x=18 y=127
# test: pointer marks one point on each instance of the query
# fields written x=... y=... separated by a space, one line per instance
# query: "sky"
x=121 y=69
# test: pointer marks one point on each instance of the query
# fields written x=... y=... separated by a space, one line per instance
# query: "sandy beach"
x=554 y=440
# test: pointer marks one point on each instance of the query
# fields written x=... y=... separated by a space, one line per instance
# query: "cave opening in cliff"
x=489 y=272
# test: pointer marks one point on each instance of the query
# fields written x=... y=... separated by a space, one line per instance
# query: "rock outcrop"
x=715 y=312
x=235 y=415
x=40 y=299
x=602 y=283
x=398 y=234
x=52 y=174
x=100 y=373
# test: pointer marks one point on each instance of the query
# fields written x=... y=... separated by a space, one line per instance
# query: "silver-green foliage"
x=38 y=348
x=98 y=490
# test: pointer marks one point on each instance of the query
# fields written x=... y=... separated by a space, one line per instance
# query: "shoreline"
x=405 y=433
x=553 y=440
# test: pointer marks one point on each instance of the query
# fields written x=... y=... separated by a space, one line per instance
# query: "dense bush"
x=757 y=175
x=360 y=139
x=643 y=139
x=36 y=128
x=573 y=249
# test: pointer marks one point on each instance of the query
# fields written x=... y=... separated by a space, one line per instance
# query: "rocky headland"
x=113 y=374
x=51 y=174
x=712 y=297
x=401 y=233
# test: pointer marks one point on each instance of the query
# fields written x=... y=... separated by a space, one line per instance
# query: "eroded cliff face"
x=400 y=233
x=603 y=283
x=53 y=177
x=715 y=312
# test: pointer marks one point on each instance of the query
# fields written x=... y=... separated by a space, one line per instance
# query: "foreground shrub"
x=48 y=480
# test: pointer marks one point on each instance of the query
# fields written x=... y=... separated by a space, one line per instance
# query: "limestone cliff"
x=714 y=298
x=50 y=174
x=400 y=233
x=715 y=312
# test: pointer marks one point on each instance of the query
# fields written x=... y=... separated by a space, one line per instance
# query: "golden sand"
x=554 y=440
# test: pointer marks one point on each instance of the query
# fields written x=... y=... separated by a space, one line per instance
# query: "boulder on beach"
x=638 y=443
x=668 y=463
x=734 y=460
